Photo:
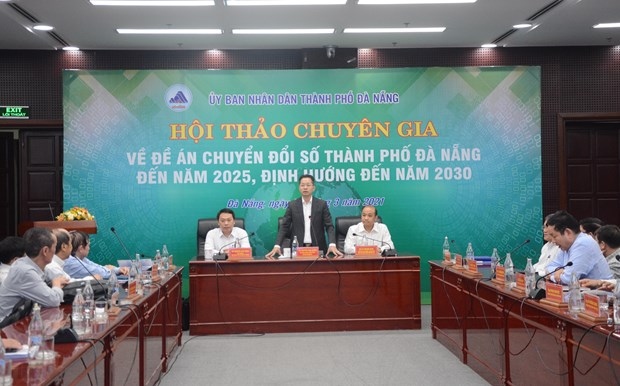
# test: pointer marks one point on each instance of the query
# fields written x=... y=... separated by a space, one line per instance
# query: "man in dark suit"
x=309 y=219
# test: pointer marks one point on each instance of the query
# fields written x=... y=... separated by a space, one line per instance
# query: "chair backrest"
x=20 y=310
x=204 y=226
x=343 y=224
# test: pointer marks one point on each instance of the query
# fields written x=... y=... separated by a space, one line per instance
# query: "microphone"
x=514 y=250
x=539 y=293
x=390 y=252
x=221 y=255
x=519 y=246
x=618 y=257
x=51 y=211
x=121 y=243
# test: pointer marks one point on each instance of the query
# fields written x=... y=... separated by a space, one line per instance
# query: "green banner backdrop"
x=440 y=151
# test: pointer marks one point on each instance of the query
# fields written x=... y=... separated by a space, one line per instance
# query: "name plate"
x=131 y=288
x=520 y=279
x=366 y=250
x=307 y=252
x=472 y=266
x=155 y=272
x=592 y=304
x=447 y=258
x=500 y=274
x=239 y=253
x=554 y=292
x=458 y=263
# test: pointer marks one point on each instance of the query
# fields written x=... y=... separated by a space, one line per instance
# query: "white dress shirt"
x=216 y=241
x=379 y=235
x=55 y=269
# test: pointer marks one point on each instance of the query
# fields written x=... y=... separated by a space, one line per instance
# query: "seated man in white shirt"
x=11 y=248
x=368 y=232
x=226 y=236
x=62 y=253
x=25 y=279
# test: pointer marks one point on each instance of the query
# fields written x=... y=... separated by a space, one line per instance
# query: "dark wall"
x=574 y=79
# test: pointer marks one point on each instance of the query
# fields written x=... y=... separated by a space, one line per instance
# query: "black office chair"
x=20 y=310
x=343 y=224
x=204 y=226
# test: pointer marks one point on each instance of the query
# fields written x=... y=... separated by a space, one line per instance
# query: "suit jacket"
x=321 y=223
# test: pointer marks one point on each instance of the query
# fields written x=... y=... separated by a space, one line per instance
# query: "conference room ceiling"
x=81 y=24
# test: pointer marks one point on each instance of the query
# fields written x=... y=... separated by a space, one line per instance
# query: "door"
x=8 y=184
x=589 y=148
x=41 y=165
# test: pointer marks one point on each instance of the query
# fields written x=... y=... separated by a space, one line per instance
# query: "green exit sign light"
x=14 y=112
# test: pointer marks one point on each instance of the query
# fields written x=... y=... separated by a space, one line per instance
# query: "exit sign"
x=14 y=112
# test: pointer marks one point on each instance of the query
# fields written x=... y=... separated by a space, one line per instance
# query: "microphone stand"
x=221 y=255
x=539 y=293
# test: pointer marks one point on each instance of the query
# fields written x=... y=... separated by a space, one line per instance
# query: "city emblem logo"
x=178 y=97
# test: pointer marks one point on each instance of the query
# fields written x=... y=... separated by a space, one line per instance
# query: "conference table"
x=131 y=348
x=304 y=295
x=511 y=340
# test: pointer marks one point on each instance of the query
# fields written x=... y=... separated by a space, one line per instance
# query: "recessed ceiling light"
x=606 y=25
x=168 y=31
x=43 y=27
x=155 y=3
x=488 y=45
x=393 y=2
x=233 y=3
x=71 y=48
x=522 y=25
x=392 y=30
x=283 y=31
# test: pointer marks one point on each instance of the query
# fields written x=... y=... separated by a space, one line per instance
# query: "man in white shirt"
x=368 y=232
x=63 y=251
x=25 y=279
x=226 y=236
x=11 y=248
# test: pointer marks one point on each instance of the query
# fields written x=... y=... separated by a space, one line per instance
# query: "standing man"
x=368 y=232
x=226 y=236
x=309 y=219
x=25 y=279
x=577 y=247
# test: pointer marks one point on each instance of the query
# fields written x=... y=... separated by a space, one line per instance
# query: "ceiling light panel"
x=154 y=3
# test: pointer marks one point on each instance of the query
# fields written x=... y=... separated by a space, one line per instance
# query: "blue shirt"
x=588 y=261
x=77 y=271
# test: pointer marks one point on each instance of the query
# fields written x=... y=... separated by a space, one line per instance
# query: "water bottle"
x=294 y=245
x=469 y=252
x=446 y=247
x=157 y=258
x=77 y=313
x=8 y=378
x=510 y=272
x=165 y=258
x=617 y=306
x=530 y=277
x=136 y=271
x=494 y=260
x=89 y=303
x=35 y=332
x=112 y=288
x=574 y=296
